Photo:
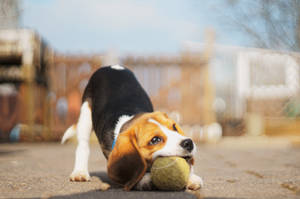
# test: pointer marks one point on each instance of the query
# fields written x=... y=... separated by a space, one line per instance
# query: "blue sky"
x=128 y=26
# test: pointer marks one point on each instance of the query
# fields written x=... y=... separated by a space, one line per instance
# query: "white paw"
x=80 y=176
x=145 y=183
x=195 y=182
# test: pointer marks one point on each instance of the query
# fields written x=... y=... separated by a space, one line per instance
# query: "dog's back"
x=112 y=92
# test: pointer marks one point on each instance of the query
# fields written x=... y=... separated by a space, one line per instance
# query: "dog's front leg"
x=195 y=182
x=145 y=184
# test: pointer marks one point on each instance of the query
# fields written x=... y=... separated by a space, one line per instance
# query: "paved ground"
x=232 y=169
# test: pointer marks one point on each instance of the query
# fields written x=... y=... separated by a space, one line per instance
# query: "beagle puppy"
x=131 y=135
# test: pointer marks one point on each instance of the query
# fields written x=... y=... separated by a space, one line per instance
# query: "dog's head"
x=150 y=136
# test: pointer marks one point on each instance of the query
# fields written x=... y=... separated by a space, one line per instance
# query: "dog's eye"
x=174 y=127
x=155 y=140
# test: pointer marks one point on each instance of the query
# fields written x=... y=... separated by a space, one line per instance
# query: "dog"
x=130 y=133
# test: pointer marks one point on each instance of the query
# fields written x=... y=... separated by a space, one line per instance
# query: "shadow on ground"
x=6 y=152
x=104 y=177
x=116 y=191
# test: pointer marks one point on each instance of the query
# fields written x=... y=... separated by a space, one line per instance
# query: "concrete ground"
x=234 y=168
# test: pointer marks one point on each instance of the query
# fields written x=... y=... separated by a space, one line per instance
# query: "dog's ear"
x=125 y=165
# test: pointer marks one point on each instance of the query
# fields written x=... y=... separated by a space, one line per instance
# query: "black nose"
x=187 y=144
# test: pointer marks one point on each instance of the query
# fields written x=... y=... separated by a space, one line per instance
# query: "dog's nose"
x=187 y=144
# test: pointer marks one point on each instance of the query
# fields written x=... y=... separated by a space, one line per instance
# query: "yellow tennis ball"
x=170 y=173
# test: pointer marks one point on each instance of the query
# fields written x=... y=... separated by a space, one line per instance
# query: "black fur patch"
x=112 y=93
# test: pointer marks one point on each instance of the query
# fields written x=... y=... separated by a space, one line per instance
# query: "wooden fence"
x=49 y=86
x=176 y=84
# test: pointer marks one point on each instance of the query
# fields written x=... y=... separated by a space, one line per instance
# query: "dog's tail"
x=70 y=132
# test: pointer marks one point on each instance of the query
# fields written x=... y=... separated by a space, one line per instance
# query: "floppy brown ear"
x=125 y=165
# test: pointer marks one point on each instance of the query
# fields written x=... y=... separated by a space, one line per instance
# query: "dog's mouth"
x=189 y=159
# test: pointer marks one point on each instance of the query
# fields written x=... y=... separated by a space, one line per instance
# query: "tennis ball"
x=170 y=173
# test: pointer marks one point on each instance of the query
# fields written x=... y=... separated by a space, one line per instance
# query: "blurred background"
x=226 y=68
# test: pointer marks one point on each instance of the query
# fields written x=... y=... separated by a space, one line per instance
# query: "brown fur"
x=132 y=154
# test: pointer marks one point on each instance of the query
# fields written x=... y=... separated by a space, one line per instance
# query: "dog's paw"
x=195 y=182
x=80 y=176
x=145 y=184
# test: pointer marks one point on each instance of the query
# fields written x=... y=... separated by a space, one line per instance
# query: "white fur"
x=117 y=67
x=84 y=129
x=195 y=182
x=144 y=183
x=172 y=146
x=121 y=121
x=70 y=132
